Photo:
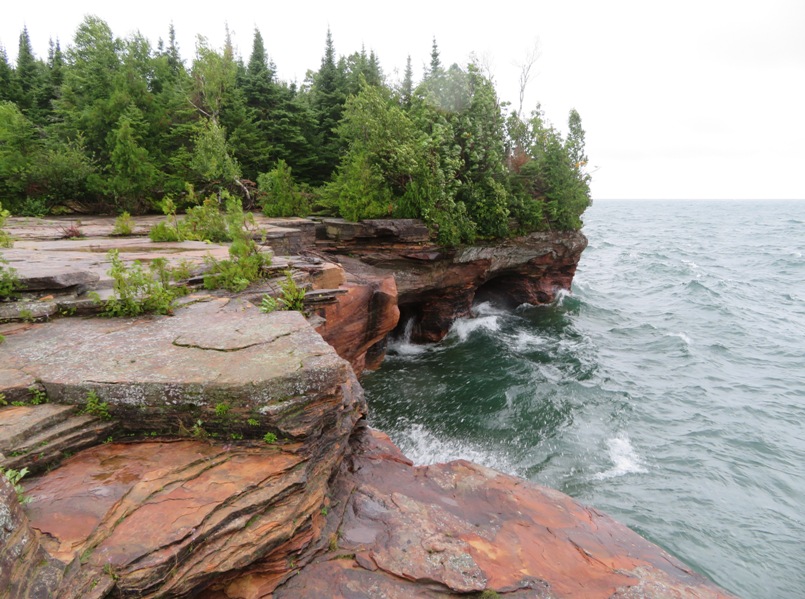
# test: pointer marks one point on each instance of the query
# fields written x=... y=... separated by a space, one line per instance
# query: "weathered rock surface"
x=457 y=528
x=35 y=437
x=167 y=518
x=357 y=325
x=26 y=569
x=437 y=285
x=231 y=516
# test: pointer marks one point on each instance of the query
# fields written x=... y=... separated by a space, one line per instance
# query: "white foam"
x=524 y=341
x=424 y=448
x=682 y=336
x=625 y=459
x=561 y=294
x=486 y=309
x=464 y=327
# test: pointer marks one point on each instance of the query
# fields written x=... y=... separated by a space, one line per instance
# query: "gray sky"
x=684 y=99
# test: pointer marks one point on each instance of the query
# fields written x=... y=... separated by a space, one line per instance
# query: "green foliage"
x=95 y=407
x=14 y=477
x=292 y=297
x=5 y=239
x=138 y=291
x=246 y=261
x=118 y=125
x=124 y=225
x=37 y=396
x=222 y=409
x=270 y=438
x=280 y=194
x=9 y=281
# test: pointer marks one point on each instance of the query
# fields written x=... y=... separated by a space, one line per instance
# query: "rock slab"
x=458 y=528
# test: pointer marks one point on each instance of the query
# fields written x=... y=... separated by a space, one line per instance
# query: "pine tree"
x=31 y=81
x=435 y=62
x=407 y=88
x=328 y=104
x=7 y=79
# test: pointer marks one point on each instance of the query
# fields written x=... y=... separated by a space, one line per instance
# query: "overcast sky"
x=684 y=99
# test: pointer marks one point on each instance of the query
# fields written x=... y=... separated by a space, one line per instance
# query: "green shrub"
x=9 y=281
x=14 y=477
x=270 y=438
x=205 y=222
x=292 y=297
x=279 y=194
x=5 y=239
x=124 y=225
x=246 y=260
x=137 y=291
x=96 y=407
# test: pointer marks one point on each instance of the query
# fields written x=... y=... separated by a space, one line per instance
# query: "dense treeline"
x=118 y=125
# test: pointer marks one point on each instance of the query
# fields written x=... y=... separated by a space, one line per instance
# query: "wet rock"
x=168 y=518
x=457 y=528
x=361 y=319
x=37 y=437
x=437 y=285
x=27 y=571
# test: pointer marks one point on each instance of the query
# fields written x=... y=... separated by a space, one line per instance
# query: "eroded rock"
x=457 y=528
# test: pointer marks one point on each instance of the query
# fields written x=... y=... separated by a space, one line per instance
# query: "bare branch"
x=527 y=70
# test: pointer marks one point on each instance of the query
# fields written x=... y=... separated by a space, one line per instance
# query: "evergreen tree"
x=87 y=107
x=328 y=104
x=7 y=79
x=132 y=173
x=407 y=87
x=435 y=62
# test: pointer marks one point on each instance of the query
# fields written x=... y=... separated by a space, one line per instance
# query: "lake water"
x=668 y=389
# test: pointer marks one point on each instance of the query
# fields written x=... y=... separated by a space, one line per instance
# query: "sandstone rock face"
x=359 y=322
x=171 y=517
x=26 y=569
x=436 y=285
x=457 y=528
x=221 y=362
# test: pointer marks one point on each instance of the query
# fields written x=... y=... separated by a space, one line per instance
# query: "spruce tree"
x=328 y=104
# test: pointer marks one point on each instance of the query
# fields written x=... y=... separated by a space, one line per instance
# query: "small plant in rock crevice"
x=72 y=231
x=14 y=477
x=292 y=297
x=270 y=438
x=6 y=240
x=96 y=407
x=9 y=281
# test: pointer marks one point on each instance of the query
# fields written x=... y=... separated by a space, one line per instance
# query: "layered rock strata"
x=169 y=517
x=437 y=285
x=220 y=463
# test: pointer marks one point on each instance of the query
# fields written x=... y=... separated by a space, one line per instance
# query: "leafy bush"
x=246 y=260
x=14 y=477
x=137 y=291
x=279 y=194
x=5 y=239
x=124 y=225
x=292 y=297
x=9 y=282
x=204 y=222
x=96 y=407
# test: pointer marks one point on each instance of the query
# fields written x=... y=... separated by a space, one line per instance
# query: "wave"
x=464 y=327
x=423 y=448
x=625 y=459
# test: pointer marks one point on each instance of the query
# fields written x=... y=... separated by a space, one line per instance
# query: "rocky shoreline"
x=222 y=453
